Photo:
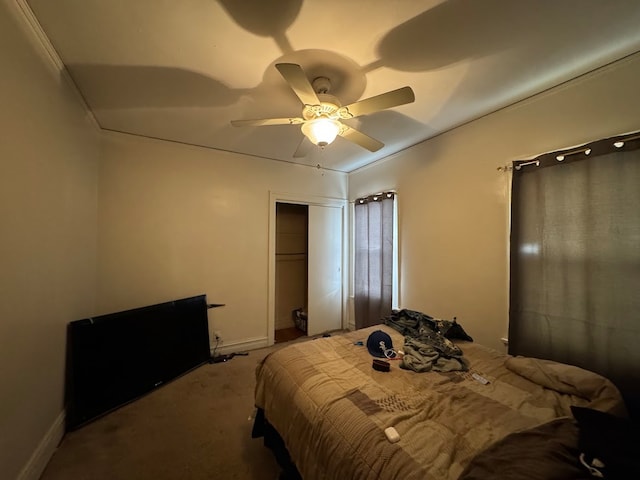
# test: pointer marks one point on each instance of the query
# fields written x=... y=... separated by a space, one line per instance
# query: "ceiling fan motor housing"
x=327 y=107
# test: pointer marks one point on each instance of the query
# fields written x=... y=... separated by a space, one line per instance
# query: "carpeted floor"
x=196 y=427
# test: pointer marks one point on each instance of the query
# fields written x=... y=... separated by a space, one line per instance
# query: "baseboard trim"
x=45 y=450
x=241 y=346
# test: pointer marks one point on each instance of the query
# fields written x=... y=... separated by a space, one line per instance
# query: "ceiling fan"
x=323 y=112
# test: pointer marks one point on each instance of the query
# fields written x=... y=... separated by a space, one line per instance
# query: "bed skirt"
x=274 y=442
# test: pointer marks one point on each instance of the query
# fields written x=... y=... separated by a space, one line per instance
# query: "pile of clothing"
x=427 y=342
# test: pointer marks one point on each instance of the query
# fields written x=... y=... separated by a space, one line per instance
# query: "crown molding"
x=40 y=35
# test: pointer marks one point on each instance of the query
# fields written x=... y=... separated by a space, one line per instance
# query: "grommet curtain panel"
x=373 y=275
x=575 y=260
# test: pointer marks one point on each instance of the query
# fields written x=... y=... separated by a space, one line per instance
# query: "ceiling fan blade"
x=361 y=139
x=266 y=121
x=298 y=82
x=304 y=147
x=401 y=96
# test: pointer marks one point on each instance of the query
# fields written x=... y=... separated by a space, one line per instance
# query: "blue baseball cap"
x=380 y=345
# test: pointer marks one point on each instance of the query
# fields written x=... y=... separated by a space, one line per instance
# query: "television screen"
x=115 y=358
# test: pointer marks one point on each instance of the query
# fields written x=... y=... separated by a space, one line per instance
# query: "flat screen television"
x=115 y=358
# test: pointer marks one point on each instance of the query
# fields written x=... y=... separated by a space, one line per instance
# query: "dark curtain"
x=575 y=261
x=373 y=276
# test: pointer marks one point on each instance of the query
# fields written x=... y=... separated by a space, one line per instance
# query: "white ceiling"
x=182 y=70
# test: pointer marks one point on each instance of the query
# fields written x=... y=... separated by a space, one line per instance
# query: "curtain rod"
x=374 y=197
x=606 y=145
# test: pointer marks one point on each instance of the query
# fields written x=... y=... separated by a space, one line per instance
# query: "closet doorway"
x=306 y=259
x=291 y=271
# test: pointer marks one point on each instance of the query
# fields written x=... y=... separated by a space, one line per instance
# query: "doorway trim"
x=300 y=199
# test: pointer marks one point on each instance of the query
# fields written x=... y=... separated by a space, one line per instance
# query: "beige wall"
x=178 y=221
x=453 y=204
x=48 y=205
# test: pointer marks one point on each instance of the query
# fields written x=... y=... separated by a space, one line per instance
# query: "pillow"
x=610 y=441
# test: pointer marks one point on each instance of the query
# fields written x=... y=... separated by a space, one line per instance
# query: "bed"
x=330 y=409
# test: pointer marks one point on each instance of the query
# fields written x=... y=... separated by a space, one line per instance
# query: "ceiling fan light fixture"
x=322 y=112
x=321 y=131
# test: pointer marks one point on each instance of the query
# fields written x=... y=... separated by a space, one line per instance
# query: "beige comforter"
x=331 y=408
